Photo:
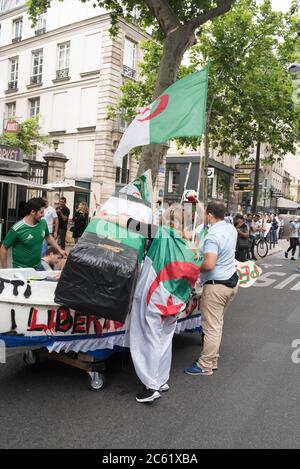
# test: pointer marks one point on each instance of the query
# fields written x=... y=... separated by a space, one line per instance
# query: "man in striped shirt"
x=26 y=238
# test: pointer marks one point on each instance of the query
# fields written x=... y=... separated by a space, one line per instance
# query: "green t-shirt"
x=26 y=242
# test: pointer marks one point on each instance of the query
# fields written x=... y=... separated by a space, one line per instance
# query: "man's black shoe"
x=286 y=255
x=147 y=395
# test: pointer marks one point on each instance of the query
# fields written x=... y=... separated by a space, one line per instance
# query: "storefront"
x=13 y=186
x=219 y=186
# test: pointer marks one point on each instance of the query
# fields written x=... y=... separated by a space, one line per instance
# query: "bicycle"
x=261 y=245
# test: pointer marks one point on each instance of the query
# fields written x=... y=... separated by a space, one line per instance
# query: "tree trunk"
x=175 y=45
x=256 y=180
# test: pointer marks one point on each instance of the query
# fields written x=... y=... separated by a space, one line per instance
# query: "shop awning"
x=287 y=204
x=20 y=182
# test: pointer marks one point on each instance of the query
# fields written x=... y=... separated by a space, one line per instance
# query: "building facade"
x=67 y=70
x=220 y=185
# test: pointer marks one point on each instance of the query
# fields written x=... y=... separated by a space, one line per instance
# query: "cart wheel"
x=96 y=381
x=31 y=358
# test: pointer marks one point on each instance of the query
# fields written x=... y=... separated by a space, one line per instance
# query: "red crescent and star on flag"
x=172 y=271
x=162 y=104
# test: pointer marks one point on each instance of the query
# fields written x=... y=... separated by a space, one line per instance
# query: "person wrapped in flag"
x=170 y=271
x=100 y=275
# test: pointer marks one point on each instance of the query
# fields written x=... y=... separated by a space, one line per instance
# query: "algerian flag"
x=178 y=112
x=133 y=201
x=140 y=188
x=169 y=273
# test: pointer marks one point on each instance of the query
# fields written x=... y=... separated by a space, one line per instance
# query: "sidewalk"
x=280 y=247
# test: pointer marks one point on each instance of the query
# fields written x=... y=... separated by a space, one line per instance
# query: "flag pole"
x=186 y=180
x=198 y=194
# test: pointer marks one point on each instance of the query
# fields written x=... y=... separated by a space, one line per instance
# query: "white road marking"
x=297 y=286
x=288 y=280
x=266 y=281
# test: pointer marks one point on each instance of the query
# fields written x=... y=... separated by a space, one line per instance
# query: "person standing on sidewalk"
x=243 y=240
x=220 y=283
x=63 y=214
x=51 y=218
x=293 y=238
x=26 y=238
x=253 y=231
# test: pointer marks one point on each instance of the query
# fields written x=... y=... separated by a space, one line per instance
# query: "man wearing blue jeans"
x=219 y=280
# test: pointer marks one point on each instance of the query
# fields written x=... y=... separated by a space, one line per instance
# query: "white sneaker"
x=164 y=388
x=147 y=395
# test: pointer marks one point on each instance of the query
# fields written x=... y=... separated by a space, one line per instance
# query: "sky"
x=281 y=4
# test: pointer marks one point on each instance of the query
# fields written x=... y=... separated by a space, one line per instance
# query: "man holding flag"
x=220 y=284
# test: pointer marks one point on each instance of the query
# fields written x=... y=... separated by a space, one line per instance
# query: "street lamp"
x=55 y=144
x=294 y=68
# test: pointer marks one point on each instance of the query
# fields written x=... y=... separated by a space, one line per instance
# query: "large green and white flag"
x=178 y=112
x=133 y=201
x=169 y=273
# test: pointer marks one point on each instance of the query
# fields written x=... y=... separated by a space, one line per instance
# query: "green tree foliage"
x=28 y=139
x=173 y=23
x=250 y=91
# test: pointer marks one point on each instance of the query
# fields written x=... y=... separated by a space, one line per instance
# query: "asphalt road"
x=252 y=401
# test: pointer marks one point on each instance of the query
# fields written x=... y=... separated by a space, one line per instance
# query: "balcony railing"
x=16 y=39
x=36 y=80
x=12 y=85
x=119 y=125
x=129 y=72
x=61 y=74
x=39 y=32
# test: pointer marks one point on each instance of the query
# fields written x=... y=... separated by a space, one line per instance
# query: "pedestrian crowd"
x=250 y=228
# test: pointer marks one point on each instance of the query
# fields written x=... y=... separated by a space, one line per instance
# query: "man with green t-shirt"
x=26 y=238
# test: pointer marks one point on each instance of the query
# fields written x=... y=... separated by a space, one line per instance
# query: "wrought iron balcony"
x=61 y=74
x=129 y=72
x=12 y=85
x=39 y=32
x=36 y=80
x=119 y=125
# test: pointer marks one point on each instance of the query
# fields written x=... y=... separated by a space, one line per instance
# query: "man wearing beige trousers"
x=220 y=284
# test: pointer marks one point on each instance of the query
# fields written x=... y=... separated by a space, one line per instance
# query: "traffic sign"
x=243 y=187
x=245 y=166
x=242 y=179
x=277 y=195
x=210 y=173
x=242 y=175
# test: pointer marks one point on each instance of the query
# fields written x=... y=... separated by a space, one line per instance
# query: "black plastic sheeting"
x=99 y=278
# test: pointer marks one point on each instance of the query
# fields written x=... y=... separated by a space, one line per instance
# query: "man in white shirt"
x=51 y=218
